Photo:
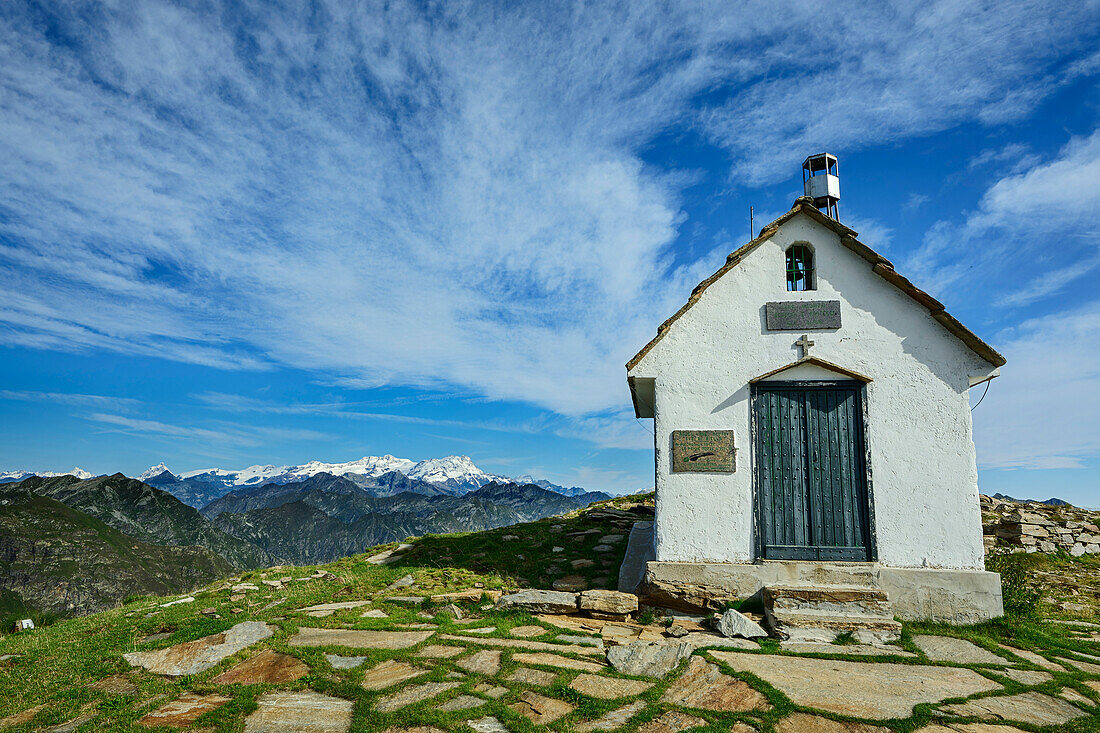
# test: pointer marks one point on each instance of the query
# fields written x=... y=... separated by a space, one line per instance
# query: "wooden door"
x=811 y=471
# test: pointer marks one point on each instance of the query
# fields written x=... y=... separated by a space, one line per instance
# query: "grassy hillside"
x=58 y=560
x=147 y=513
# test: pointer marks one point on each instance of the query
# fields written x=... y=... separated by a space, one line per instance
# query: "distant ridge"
x=1048 y=502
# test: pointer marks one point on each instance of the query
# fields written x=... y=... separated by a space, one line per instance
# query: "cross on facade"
x=805 y=343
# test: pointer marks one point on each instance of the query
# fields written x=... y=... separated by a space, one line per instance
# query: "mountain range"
x=377 y=475
x=75 y=545
x=327 y=516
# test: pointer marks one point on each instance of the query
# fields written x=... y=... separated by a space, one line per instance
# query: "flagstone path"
x=414 y=669
x=873 y=690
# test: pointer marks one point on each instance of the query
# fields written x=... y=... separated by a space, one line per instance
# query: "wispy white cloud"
x=1044 y=411
x=1014 y=157
x=611 y=430
x=1038 y=223
x=442 y=197
x=70 y=398
x=219 y=434
x=874 y=234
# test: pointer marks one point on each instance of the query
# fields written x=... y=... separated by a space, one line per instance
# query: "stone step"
x=815 y=625
x=816 y=574
x=832 y=599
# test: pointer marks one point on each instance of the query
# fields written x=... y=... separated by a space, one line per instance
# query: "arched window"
x=800 y=268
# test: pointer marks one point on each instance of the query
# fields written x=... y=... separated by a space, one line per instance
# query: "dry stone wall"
x=1034 y=527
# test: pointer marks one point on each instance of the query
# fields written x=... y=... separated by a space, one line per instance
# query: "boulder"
x=540 y=601
x=734 y=624
x=608 y=604
x=648 y=659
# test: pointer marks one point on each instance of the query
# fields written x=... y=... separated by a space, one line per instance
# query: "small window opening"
x=800 y=268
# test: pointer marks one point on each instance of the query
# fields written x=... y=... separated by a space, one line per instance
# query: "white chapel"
x=813 y=432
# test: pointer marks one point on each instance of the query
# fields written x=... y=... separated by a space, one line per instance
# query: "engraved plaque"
x=802 y=315
x=703 y=451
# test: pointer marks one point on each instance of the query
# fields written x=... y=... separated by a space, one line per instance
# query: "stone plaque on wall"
x=702 y=451
x=802 y=315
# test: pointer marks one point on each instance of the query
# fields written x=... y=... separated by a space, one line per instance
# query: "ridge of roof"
x=879 y=264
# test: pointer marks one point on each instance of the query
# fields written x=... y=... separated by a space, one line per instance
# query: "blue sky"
x=268 y=233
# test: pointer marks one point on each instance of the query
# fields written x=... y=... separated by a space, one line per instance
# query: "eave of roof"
x=881 y=266
x=814 y=361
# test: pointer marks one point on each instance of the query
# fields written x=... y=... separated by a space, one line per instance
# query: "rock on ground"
x=672 y=722
x=528 y=676
x=304 y=711
x=647 y=659
x=1030 y=707
x=702 y=685
x=23 y=716
x=734 y=624
x=960 y=651
x=554 y=660
x=116 y=684
x=339 y=662
x=878 y=690
x=1028 y=676
x=805 y=723
x=183 y=711
x=863 y=650
x=462 y=702
x=1036 y=659
x=540 y=601
x=607 y=603
x=608 y=688
x=440 y=651
x=526 y=632
x=483 y=662
x=192 y=657
x=308 y=636
x=415 y=693
x=613 y=720
x=539 y=709
x=269 y=666
x=968 y=728
x=389 y=673
x=523 y=644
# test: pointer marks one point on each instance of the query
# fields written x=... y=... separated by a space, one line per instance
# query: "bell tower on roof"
x=821 y=182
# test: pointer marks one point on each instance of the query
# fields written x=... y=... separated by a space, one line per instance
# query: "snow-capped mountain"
x=153 y=471
x=369 y=466
x=454 y=475
x=456 y=472
x=7 y=477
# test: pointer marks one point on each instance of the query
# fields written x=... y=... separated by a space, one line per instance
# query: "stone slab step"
x=829 y=598
x=812 y=625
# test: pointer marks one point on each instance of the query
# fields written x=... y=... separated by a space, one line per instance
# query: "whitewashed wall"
x=923 y=473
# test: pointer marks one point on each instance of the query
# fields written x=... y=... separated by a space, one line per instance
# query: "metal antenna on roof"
x=752 y=227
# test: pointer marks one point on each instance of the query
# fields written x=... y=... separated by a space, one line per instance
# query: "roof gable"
x=879 y=264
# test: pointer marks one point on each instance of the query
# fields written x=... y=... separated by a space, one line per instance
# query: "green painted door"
x=811 y=474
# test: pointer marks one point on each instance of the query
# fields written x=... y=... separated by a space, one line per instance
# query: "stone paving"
x=460 y=675
x=570 y=673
